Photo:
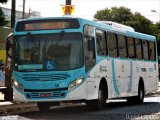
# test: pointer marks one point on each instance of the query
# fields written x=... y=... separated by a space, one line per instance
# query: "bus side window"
x=138 y=49
x=122 y=46
x=152 y=55
x=90 y=53
x=101 y=42
x=131 y=47
x=145 y=50
x=112 y=44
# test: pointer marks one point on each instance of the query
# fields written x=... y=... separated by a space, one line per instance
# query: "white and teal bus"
x=73 y=59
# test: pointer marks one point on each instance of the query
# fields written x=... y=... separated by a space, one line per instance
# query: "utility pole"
x=13 y=7
x=68 y=2
x=23 y=15
x=29 y=12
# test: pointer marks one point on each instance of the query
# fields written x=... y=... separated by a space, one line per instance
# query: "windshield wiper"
x=29 y=36
x=62 y=34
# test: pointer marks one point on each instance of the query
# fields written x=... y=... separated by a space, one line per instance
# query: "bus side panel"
x=123 y=76
x=92 y=88
x=101 y=70
x=137 y=73
x=78 y=93
x=152 y=77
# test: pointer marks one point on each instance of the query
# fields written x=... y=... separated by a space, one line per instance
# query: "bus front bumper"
x=52 y=96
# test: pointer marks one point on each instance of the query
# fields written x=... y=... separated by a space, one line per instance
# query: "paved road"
x=116 y=110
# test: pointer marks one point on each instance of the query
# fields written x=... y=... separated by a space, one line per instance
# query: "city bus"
x=61 y=59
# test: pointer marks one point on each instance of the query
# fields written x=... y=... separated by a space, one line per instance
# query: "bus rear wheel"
x=99 y=103
x=140 y=96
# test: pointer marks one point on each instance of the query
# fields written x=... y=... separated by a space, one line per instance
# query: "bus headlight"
x=75 y=83
x=18 y=85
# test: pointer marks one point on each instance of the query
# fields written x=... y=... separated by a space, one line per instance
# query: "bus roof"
x=99 y=25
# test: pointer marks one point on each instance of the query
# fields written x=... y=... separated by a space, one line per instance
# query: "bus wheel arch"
x=138 y=99
x=100 y=102
x=104 y=83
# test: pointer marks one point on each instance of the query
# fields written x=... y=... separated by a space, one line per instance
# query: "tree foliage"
x=124 y=16
x=121 y=15
x=2 y=18
x=3 y=22
x=3 y=1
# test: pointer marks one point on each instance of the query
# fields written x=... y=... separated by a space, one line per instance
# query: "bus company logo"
x=102 y=69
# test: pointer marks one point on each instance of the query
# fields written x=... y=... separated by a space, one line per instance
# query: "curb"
x=13 y=107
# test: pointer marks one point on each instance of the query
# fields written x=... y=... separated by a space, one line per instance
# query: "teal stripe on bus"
x=114 y=78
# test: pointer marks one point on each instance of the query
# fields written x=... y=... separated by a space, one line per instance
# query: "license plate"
x=45 y=94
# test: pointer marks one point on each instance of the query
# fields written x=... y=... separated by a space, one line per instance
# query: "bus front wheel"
x=101 y=101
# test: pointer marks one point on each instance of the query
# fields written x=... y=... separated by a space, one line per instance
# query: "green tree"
x=120 y=15
x=140 y=23
x=136 y=20
x=3 y=1
x=156 y=32
x=2 y=17
x=125 y=16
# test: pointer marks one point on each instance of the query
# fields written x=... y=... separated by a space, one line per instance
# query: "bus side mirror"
x=8 y=44
x=91 y=45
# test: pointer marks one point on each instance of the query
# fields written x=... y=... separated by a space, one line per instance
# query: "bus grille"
x=45 y=77
x=52 y=94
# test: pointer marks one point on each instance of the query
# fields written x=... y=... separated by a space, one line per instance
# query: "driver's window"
x=90 y=55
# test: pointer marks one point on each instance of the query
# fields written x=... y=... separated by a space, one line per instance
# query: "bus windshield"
x=60 y=51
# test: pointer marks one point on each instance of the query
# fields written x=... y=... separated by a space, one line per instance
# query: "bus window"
x=101 y=42
x=152 y=54
x=112 y=44
x=138 y=49
x=122 y=46
x=131 y=47
x=145 y=50
x=90 y=55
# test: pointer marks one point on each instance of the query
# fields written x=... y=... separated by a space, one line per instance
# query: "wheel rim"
x=100 y=96
x=141 y=94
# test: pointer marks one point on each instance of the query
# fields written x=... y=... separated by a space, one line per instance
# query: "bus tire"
x=140 y=97
x=99 y=103
x=43 y=107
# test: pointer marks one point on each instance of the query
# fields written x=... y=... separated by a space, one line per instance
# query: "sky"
x=87 y=8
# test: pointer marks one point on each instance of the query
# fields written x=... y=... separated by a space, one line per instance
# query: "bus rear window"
x=47 y=24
